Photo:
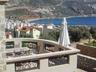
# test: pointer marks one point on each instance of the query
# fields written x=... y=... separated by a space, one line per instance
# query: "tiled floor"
x=80 y=70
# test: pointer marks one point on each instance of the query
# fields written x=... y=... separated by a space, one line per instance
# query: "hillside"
x=51 y=8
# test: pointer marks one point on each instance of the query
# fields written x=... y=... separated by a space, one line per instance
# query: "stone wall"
x=87 y=50
x=86 y=63
x=2 y=48
x=43 y=65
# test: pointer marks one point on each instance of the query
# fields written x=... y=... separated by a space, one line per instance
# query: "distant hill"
x=55 y=8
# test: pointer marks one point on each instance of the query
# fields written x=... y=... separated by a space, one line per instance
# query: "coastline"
x=76 y=20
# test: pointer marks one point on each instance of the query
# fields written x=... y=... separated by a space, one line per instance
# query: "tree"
x=54 y=35
x=75 y=33
x=93 y=32
x=50 y=34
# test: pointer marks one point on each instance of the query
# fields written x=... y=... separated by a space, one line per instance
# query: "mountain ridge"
x=57 y=8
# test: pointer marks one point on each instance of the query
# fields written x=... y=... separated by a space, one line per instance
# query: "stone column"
x=40 y=47
x=2 y=34
x=73 y=62
x=44 y=65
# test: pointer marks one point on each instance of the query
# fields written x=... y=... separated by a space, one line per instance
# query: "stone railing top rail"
x=31 y=39
x=86 y=45
x=40 y=56
x=85 y=56
x=3 y=1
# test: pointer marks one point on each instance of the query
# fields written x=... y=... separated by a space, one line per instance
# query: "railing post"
x=17 y=43
x=40 y=46
x=44 y=65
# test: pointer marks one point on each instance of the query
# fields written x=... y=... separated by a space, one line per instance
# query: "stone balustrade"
x=60 y=59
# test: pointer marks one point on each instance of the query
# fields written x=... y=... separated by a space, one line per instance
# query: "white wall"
x=71 y=67
x=10 y=68
x=36 y=33
x=2 y=34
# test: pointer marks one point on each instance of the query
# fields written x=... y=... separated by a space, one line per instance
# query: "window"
x=53 y=61
x=9 y=45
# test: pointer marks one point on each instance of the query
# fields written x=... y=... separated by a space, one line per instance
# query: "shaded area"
x=87 y=64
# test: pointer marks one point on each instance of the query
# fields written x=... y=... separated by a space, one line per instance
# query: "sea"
x=90 y=21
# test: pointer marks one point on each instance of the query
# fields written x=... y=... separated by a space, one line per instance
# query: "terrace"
x=30 y=55
x=19 y=47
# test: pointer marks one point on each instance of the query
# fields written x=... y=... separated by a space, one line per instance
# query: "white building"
x=40 y=26
x=50 y=26
x=36 y=33
x=8 y=35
